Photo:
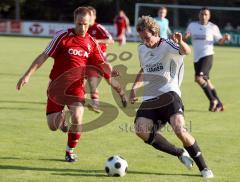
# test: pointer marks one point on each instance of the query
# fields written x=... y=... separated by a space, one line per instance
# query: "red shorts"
x=58 y=99
x=121 y=32
x=93 y=71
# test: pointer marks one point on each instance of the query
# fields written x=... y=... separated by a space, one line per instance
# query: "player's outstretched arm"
x=184 y=47
x=108 y=71
x=34 y=66
x=115 y=84
x=137 y=84
x=226 y=37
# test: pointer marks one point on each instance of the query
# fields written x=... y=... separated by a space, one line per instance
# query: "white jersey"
x=203 y=38
x=163 y=68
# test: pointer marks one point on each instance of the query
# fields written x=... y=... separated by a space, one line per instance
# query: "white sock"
x=68 y=149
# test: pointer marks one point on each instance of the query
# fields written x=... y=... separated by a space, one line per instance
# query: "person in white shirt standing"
x=204 y=34
x=161 y=62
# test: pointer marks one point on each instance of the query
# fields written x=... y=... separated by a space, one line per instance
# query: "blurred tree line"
x=62 y=10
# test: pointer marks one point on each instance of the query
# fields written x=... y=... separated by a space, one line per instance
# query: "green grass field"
x=29 y=151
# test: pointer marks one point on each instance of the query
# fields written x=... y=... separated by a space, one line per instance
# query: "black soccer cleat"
x=70 y=157
x=219 y=107
x=213 y=106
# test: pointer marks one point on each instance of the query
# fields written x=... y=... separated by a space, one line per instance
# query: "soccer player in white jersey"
x=161 y=62
x=204 y=34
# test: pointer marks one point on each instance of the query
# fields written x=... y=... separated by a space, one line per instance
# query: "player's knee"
x=53 y=128
x=76 y=118
x=199 y=79
x=76 y=122
x=150 y=138
x=52 y=125
x=140 y=131
x=143 y=136
x=54 y=121
x=177 y=122
x=180 y=131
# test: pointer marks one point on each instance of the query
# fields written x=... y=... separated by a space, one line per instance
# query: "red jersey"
x=121 y=24
x=70 y=51
x=97 y=31
x=71 y=54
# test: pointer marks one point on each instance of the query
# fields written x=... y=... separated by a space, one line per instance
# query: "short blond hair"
x=148 y=23
x=81 y=11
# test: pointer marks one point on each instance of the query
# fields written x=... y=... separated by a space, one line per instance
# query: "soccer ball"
x=116 y=166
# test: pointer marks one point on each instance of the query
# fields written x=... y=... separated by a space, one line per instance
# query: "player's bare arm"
x=34 y=66
x=137 y=84
x=226 y=37
x=184 y=47
x=108 y=72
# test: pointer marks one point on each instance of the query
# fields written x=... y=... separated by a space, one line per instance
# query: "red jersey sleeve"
x=53 y=45
x=96 y=58
x=105 y=34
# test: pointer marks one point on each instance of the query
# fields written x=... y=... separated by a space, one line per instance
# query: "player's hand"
x=124 y=100
x=22 y=81
x=133 y=98
x=177 y=37
x=115 y=73
x=186 y=36
x=227 y=36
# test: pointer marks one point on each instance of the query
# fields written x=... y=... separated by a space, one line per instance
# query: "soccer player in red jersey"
x=102 y=36
x=71 y=50
x=98 y=32
x=121 y=23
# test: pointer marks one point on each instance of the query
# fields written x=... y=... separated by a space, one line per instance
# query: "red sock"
x=73 y=139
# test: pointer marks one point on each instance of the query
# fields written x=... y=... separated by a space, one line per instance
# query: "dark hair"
x=92 y=9
x=81 y=11
x=205 y=8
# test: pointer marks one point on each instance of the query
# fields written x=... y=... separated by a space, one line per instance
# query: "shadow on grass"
x=195 y=110
x=53 y=160
x=81 y=172
x=97 y=173
x=18 y=158
x=11 y=158
x=162 y=174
